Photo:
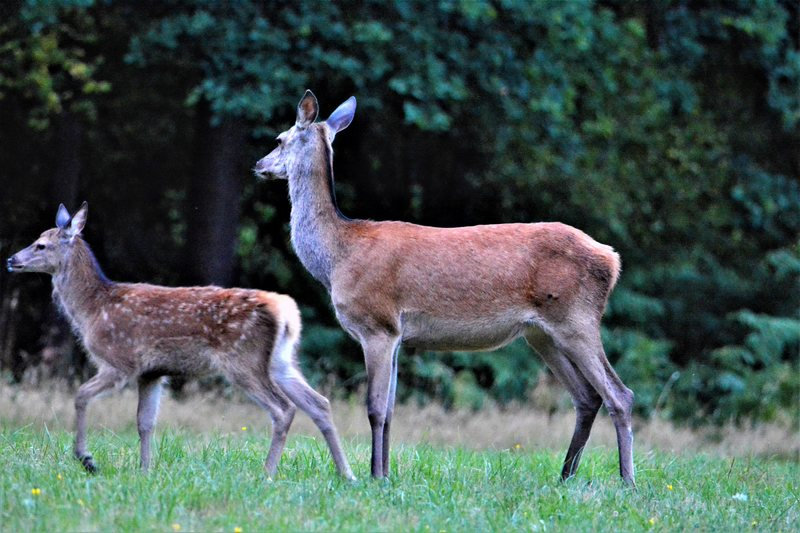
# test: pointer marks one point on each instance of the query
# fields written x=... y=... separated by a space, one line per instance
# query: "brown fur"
x=468 y=288
x=459 y=272
x=140 y=332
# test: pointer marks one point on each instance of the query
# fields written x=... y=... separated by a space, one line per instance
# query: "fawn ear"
x=342 y=116
x=78 y=221
x=62 y=217
x=307 y=110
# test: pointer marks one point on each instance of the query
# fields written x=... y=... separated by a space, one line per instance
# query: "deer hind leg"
x=379 y=353
x=266 y=393
x=315 y=405
x=106 y=378
x=390 y=411
x=585 y=351
x=585 y=399
x=147 y=411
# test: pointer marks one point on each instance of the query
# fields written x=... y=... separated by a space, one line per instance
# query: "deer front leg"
x=104 y=380
x=378 y=355
x=147 y=411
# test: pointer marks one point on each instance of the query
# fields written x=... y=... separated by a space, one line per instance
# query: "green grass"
x=216 y=483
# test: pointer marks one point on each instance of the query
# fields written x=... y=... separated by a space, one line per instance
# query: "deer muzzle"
x=260 y=170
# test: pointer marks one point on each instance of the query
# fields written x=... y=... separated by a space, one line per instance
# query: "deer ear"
x=78 y=221
x=342 y=116
x=62 y=217
x=307 y=110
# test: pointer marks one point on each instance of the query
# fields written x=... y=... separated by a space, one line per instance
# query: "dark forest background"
x=669 y=130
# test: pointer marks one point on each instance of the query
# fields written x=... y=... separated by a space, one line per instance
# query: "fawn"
x=146 y=332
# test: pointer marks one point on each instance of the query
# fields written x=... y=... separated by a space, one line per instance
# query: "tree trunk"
x=59 y=355
x=214 y=193
x=213 y=200
x=65 y=179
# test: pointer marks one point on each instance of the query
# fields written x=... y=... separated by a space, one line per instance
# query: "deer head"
x=49 y=252
x=293 y=144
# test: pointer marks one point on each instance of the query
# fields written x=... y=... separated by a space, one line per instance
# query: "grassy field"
x=479 y=473
x=216 y=483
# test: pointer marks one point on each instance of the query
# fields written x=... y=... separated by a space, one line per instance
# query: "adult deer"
x=469 y=288
x=142 y=332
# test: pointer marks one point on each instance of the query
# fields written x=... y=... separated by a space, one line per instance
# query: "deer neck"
x=78 y=286
x=317 y=225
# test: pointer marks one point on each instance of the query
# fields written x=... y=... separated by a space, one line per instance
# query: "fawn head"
x=294 y=144
x=49 y=252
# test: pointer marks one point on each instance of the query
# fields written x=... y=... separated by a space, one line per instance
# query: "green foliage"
x=466 y=379
x=644 y=365
x=324 y=356
x=48 y=55
x=668 y=130
x=743 y=392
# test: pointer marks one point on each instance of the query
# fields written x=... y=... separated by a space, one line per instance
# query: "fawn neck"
x=79 y=284
x=317 y=225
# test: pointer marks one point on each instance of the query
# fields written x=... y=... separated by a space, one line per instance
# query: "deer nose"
x=8 y=265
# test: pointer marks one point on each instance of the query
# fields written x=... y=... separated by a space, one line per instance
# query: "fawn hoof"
x=88 y=463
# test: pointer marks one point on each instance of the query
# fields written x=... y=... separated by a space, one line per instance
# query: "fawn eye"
x=40 y=246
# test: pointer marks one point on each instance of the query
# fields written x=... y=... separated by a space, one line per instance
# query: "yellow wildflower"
x=58 y=477
x=81 y=503
x=176 y=527
x=669 y=487
x=237 y=529
x=517 y=446
x=36 y=492
x=652 y=521
x=244 y=428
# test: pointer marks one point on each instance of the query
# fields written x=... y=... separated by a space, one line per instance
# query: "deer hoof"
x=88 y=464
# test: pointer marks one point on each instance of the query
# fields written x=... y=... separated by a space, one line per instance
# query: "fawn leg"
x=318 y=408
x=149 y=397
x=105 y=379
x=291 y=381
x=266 y=393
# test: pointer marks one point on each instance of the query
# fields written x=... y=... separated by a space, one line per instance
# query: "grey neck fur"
x=315 y=220
x=77 y=283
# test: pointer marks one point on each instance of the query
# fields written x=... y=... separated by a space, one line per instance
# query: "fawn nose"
x=8 y=265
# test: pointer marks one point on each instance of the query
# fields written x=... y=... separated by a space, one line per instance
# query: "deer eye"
x=40 y=246
x=280 y=141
